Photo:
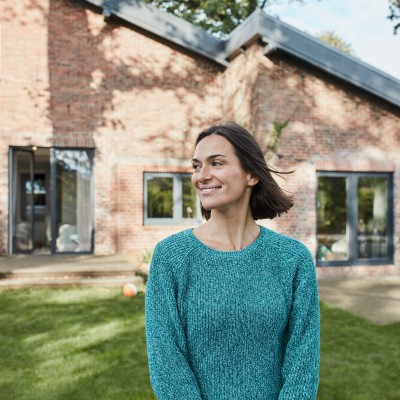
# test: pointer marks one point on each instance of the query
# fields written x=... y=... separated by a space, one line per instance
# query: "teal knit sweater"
x=232 y=325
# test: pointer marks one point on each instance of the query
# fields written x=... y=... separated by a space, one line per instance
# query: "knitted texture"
x=232 y=325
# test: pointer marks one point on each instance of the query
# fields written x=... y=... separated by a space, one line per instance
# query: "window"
x=169 y=199
x=354 y=219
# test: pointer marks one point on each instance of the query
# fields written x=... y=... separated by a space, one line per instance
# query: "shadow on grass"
x=80 y=343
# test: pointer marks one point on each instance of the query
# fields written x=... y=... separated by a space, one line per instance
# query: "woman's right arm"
x=171 y=376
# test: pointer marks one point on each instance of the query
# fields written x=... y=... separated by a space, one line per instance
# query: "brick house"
x=101 y=101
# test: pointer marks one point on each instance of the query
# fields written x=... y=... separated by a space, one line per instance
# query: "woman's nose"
x=204 y=174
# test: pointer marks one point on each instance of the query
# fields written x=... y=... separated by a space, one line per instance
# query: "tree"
x=215 y=16
x=394 y=9
x=335 y=40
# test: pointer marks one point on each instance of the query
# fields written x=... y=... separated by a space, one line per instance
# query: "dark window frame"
x=352 y=217
x=177 y=218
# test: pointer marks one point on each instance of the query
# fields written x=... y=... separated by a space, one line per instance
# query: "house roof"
x=277 y=36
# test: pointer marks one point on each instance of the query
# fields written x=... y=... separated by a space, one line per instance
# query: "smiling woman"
x=243 y=155
x=231 y=307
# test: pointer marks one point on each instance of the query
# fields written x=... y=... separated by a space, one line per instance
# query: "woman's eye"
x=196 y=167
x=216 y=163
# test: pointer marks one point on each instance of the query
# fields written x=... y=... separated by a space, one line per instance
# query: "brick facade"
x=71 y=79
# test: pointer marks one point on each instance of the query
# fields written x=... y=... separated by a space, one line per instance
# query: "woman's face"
x=218 y=177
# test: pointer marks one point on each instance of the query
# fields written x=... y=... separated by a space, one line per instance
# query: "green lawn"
x=359 y=360
x=75 y=343
x=89 y=343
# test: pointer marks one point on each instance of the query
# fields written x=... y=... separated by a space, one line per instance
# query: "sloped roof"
x=277 y=35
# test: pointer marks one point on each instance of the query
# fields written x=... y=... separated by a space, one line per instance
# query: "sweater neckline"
x=199 y=244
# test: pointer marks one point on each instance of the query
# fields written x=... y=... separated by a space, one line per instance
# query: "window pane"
x=73 y=200
x=332 y=219
x=372 y=218
x=188 y=198
x=160 y=197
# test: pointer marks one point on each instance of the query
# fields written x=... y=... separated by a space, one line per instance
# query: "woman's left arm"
x=300 y=369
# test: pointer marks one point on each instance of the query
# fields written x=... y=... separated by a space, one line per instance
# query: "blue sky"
x=362 y=24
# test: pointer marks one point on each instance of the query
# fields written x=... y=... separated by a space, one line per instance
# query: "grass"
x=359 y=360
x=89 y=343
x=75 y=343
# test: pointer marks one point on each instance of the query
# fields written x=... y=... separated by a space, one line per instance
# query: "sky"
x=362 y=24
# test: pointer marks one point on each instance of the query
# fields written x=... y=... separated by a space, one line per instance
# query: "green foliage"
x=147 y=255
x=335 y=40
x=217 y=17
x=275 y=135
x=394 y=9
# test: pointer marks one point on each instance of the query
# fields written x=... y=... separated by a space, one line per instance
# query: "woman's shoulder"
x=285 y=245
x=171 y=254
x=175 y=244
x=292 y=257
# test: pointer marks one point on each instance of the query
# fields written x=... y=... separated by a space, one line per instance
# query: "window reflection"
x=372 y=218
x=188 y=198
x=332 y=219
x=160 y=197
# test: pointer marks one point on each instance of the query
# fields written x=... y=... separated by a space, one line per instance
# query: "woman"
x=232 y=307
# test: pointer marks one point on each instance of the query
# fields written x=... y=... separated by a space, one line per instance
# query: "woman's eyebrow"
x=209 y=157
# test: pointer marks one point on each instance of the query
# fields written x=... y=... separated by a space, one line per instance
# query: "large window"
x=169 y=199
x=354 y=214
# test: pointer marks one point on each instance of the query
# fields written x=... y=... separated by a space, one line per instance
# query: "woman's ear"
x=252 y=179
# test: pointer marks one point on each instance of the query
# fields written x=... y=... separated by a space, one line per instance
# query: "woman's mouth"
x=210 y=189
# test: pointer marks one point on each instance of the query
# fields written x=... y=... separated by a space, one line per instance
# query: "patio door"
x=51 y=200
x=22 y=227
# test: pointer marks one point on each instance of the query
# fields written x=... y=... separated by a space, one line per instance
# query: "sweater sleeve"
x=300 y=368
x=171 y=376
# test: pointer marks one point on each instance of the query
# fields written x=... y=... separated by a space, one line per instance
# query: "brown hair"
x=267 y=199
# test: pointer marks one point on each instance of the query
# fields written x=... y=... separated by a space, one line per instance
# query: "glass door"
x=22 y=201
x=72 y=202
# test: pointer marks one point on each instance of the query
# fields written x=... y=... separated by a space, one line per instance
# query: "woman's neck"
x=228 y=233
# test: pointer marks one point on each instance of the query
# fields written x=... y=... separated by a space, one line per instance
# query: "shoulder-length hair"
x=267 y=199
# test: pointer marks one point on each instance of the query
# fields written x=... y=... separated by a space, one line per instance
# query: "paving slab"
x=374 y=298
x=45 y=270
x=34 y=264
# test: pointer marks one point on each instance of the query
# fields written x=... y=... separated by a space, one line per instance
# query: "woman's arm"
x=170 y=374
x=300 y=369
